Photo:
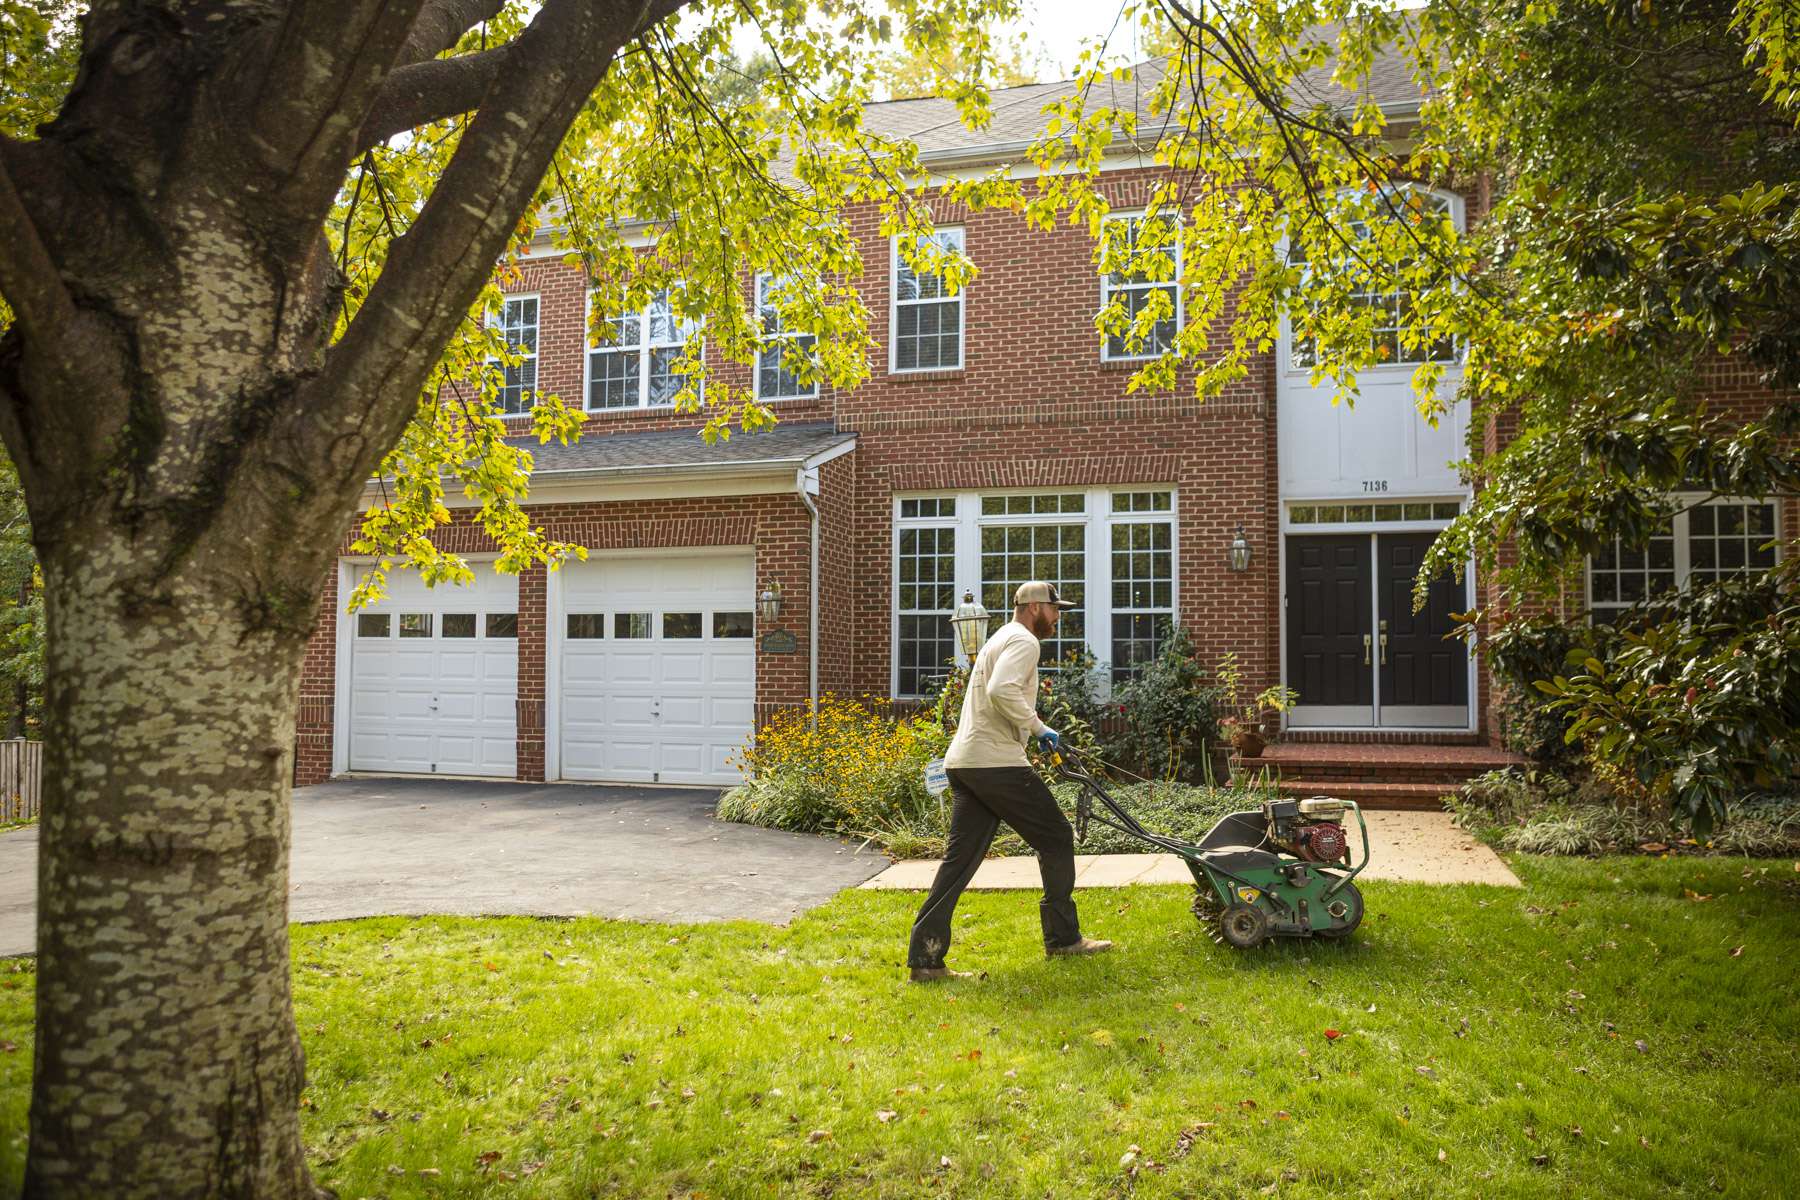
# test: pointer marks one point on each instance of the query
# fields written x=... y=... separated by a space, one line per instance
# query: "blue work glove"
x=1049 y=740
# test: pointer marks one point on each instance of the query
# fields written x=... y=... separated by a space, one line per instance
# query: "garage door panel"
x=669 y=709
x=433 y=703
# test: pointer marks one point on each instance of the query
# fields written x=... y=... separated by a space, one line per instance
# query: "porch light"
x=768 y=605
x=1238 y=556
x=970 y=621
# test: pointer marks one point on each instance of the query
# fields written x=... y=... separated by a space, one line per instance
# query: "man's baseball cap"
x=1039 y=592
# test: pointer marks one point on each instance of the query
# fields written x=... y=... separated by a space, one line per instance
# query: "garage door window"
x=415 y=625
x=503 y=625
x=732 y=625
x=681 y=625
x=372 y=624
x=587 y=625
x=631 y=625
x=459 y=625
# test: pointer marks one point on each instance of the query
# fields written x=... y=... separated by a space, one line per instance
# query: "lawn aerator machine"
x=1283 y=871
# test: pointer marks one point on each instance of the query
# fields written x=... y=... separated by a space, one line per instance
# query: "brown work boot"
x=1086 y=945
x=933 y=974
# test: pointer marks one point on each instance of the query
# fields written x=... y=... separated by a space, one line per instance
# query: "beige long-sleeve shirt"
x=1000 y=708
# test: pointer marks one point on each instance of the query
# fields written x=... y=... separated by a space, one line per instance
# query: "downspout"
x=806 y=486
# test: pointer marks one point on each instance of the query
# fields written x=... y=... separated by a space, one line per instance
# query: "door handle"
x=1366 y=642
x=1384 y=647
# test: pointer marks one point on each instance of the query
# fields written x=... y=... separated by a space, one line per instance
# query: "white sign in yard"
x=937 y=779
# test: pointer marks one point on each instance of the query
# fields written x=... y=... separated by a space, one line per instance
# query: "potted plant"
x=1242 y=725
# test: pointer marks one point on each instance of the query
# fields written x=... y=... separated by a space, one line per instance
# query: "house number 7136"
x=1375 y=485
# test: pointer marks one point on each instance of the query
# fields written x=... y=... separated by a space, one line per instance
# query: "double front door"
x=1357 y=653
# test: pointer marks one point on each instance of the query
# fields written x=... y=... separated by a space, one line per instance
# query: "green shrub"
x=1170 y=715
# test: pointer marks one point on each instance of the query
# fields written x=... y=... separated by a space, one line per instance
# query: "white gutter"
x=806 y=486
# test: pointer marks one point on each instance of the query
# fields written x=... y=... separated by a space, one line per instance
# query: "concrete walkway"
x=1408 y=847
x=392 y=846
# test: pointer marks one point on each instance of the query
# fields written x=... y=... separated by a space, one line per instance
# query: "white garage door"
x=657 y=667
x=433 y=677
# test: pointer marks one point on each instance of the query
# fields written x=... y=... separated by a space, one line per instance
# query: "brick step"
x=1362 y=772
x=1380 y=737
x=1412 y=797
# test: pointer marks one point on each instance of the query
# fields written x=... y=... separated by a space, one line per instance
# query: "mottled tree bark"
x=192 y=444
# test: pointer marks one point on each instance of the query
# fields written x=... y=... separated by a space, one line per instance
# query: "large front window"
x=928 y=317
x=1710 y=541
x=1110 y=552
x=1144 y=255
x=1395 y=337
x=775 y=376
x=633 y=361
x=518 y=327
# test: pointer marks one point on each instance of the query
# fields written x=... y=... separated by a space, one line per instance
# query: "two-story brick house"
x=994 y=442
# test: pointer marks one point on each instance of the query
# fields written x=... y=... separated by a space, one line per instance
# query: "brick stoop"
x=1389 y=775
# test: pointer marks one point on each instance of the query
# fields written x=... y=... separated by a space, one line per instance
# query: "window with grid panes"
x=1143 y=581
x=774 y=375
x=1709 y=541
x=1147 y=255
x=633 y=363
x=928 y=319
x=926 y=578
x=1726 y=538
x=1391 y=312
x=518 y=325
x=1054 y=552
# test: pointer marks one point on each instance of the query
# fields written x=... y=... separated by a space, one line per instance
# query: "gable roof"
x=785 y=447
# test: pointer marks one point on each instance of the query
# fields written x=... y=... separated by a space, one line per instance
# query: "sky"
x=1061 y=28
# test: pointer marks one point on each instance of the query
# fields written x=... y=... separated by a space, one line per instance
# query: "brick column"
x=315 y=721
x=533 y=645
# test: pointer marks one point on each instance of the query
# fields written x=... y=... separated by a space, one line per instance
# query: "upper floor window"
x=633 y=363
x=518 y=325
x=1707 y=542
x=927 y=317
x=1394 y=338
x=1143 y=255
x=775 y=379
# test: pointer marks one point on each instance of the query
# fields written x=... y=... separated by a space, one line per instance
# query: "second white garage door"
x=657 y=667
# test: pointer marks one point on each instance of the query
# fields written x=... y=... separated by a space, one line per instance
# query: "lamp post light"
x=1238 y=555
x=970 y=623
x=768 y=604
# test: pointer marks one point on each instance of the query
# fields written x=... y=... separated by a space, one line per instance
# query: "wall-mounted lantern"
x=1238 y=556
x=768 y=605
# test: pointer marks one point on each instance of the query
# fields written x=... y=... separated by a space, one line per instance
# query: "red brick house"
x=995 y=442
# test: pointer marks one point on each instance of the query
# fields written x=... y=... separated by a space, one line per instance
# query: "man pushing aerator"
x=991 y=782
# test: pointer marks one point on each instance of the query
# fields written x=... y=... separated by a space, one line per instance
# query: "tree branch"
x=430 y=91
x=28 y=276
x=356 y=407
x=440 y=26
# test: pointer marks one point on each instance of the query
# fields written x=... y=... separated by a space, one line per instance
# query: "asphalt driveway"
x=374 y=846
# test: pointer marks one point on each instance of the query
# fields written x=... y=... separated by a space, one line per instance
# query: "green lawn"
x=1591 y=1035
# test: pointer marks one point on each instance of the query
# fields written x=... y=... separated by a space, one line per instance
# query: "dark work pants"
x=984 y=797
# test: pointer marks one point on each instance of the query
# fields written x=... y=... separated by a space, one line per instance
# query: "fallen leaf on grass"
x=884 y=1115
x=817 y=1136
x=1691 y=894
x=430 y=1172
x=1427 y=1072
x=1540 y=1160
x=1101 y=1037
x=1443 y=1155
x=1130 y=1156
x=1246 y=1105
x=1736 y=953
x=8 y=1047
x=487 y=1158
x=1643 y=1047
x=944 y=1162
x=1332 y=1035
x=974 y=1055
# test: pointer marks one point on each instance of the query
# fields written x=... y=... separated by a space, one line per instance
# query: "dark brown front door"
x=1329 y=628
x=1424 y=674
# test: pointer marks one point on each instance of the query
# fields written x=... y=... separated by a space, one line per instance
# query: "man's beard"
x=1042 y=625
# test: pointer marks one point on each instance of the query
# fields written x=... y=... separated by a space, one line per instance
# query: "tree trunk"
x=168 y=1063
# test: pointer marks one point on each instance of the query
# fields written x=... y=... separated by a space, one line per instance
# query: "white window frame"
x=644 y=346
x=1108 y=288
x=497 y=321
x=1457 y=210
x=790 y=338
x=1687 y=502
x=1098 y=518
x=895 y=304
